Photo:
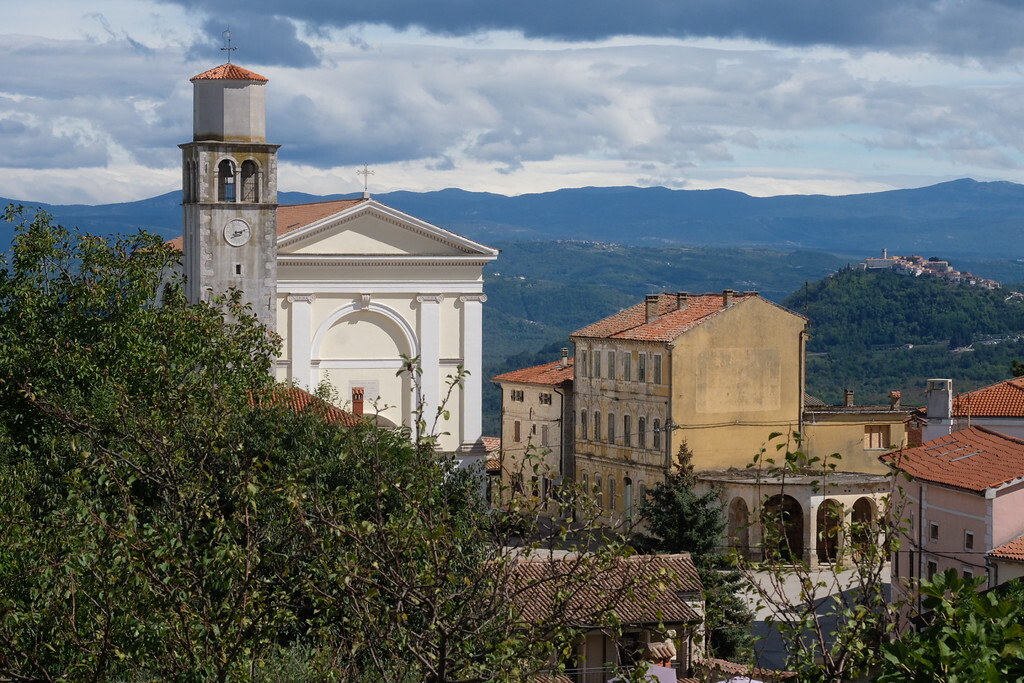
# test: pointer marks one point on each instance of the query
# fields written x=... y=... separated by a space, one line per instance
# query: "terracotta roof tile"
x=549 y=373
x=974 y=459
x=300 y=400
x=1005 y=399
x=1014 y=550
x=492 y=446
x=296 y=216
x=671 y=321
x=229 y=72
x=658 y=598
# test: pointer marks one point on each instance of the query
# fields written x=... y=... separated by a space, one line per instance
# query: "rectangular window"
x=657 y=368
x=968 y=540
x=611 y=365
x=583 y=363
x=543 y=435
x=933 y=531
x=517 y=433
x=968 y=573
x=627 y=366
x=597 y=426
x=597 y=365
x=627 y=429
x=611 y=427
x=641 y=370
x=933 y=569
x=584 y=423
x=876 y=436
x=545 y=399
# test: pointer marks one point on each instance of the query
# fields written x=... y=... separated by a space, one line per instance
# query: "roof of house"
x=297 y=216
x=642 y=589
x=229 y=72
x=1003 y=399
x=1014 y=550
x=492 y=447
x=301 y=400
x=670 y=320
x=974 y=459
x=550 y=373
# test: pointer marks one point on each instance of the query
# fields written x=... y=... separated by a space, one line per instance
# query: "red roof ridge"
x=1012 y=550
x=548 y=374
x=229 y=72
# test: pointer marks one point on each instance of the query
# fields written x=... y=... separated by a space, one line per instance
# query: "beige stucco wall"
x=844 y=434
x=528 y=457
x=736 y=379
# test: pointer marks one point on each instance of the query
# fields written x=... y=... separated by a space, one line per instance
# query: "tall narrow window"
x=613 y=495
x=226 y=181
x=627 y=495
x=611 y=427
x=250 y=182
x=641 y=432
x=543 y=435
x=968 y=540
x=597 y=426
x=611 y=365
x=598 y=491
x=517 y=431
x=597 y=365
x=657 y=368
x=627 y=428
x=657 y=434
x=582 y=365
x=641 y=367
x=584 y=423
x=627 y=366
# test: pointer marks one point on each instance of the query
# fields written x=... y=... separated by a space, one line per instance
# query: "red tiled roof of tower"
x=549 y=373
x=229 y=72
x=1014 y=550
x=974 y=459
x=296 y=216
x=1004 y=399
x=671 y=321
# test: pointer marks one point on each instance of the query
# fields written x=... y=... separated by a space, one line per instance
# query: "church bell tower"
x=229 y=182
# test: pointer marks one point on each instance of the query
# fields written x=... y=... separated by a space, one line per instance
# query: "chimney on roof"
x=565 y=358
x=652 y=307
x=940 y=398
x=848 y=397
x=894 y=400
x=682 y=300
x=885 y=253
x=727 y=297
x=357 y=401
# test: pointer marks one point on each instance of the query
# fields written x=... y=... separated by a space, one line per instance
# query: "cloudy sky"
x=762 y=96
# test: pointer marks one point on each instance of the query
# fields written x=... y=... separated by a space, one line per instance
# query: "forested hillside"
x=877 y=331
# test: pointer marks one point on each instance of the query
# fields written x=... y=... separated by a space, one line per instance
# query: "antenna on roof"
x=366 y=173
x=227 y=45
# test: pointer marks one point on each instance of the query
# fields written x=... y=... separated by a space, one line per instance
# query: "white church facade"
x=354 y=287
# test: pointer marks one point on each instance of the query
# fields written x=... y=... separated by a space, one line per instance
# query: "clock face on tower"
x=237 y=232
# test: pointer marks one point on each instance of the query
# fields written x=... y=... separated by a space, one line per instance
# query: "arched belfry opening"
x=250 y=182
x=226 y=181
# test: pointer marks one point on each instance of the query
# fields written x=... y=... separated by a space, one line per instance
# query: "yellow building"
x=859 y=434
x=718 y=371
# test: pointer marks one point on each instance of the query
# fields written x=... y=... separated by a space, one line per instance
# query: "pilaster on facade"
x=300 y=339
x=472 y=364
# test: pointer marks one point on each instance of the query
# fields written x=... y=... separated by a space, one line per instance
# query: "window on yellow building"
x=627 y=428
x=627 y=366
x=876 y=436
x=657 y=435
x=641 y=367
x=656 y=371
x=611 y=427
x=597 y=426
x=611 y=365
x=641 y=432
x=584 y=422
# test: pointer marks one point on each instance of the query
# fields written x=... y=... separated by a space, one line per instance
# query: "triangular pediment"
x=373 y=229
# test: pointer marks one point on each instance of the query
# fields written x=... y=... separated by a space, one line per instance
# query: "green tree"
x=169 y=514
x=967 y=635
x=675 y=518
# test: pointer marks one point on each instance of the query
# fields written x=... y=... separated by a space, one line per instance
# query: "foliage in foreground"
x=168 y=514
x=968 y=635
x=678 y=519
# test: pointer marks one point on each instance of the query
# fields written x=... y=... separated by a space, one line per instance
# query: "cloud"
x=265 y=39
x=962 y=27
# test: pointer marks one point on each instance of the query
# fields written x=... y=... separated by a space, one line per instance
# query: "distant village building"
x=916 y=266
x=355 y=288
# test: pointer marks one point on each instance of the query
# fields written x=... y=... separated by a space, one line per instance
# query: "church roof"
x=300 y=215
x=229 y=72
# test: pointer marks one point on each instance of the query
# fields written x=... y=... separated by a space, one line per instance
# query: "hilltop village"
x=408 y=544
x=356 y=289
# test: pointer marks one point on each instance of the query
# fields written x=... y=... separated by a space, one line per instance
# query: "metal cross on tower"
x=227 y=45
x=366 y=173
